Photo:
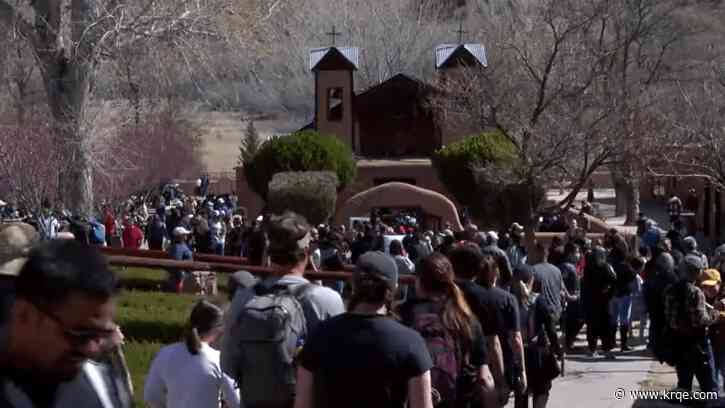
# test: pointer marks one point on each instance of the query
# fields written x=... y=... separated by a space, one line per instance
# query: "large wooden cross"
x=334 y=34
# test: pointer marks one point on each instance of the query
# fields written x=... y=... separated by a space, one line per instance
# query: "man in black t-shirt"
x=365 y=358
x=498 y=313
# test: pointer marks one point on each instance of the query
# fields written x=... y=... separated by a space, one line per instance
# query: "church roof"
x=445 y=52
x=395 y=79
x=370 y=94
x=351 y=54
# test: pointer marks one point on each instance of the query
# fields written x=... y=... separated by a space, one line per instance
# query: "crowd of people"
x=479 y=327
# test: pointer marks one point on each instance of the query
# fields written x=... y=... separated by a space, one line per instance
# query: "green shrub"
x=312 y=194
x=142 y=278
x=482 y=173
x=155 y=279
x=301 y=151
x=154 y=316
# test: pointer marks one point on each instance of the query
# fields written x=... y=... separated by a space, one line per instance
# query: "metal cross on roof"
x=460 y=32
x=334 y=34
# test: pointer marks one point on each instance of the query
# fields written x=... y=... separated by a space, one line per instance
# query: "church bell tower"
x=333 y=68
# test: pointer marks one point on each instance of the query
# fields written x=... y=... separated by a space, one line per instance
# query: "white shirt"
x=50 y=227
x=178 y=379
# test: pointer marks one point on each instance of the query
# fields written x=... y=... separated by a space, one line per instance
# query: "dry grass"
x=222 y=132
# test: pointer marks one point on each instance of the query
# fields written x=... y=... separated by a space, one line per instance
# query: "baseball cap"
x=179 y=231
x=15 y=242
x=65 y=235
x=691 y=266
x=710 y=277
x=289 y=232
x=241 y=279
x=492 y=235
x=378 y=264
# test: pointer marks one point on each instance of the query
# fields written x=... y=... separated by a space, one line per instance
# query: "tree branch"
x=9 y=16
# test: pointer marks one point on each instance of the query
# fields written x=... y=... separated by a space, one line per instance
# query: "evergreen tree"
x=250 y=143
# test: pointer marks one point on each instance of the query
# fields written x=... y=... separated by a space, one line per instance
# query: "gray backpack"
x=272 y=327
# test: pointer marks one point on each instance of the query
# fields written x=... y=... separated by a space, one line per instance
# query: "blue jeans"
x=696 y=360
x=622 y=313
x=718 y=353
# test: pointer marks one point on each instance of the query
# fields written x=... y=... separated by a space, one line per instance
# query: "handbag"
x=541 y=364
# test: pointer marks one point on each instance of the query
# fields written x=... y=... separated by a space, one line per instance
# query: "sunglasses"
x=79 y=337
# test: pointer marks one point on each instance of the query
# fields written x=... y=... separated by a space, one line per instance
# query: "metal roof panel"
x=444 y=52
x=352 y=54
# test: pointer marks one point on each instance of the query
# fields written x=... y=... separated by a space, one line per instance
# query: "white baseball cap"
x=180 y=231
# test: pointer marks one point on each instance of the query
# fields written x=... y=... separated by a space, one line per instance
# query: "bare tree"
x=71 y=42
x=396 y=36
x=559 y=83
x=695 y=145
x=29 y=174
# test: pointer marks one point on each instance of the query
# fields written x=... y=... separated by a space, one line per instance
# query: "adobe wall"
x=423 y=174
x=398 y=195
x=246 y=197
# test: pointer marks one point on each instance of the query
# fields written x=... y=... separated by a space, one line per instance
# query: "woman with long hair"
x=365 y=358
x=461 y=376
x=187 y=374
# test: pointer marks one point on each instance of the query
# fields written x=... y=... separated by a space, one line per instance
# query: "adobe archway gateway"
x=400 y=195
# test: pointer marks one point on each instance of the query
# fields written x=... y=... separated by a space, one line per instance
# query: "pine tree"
x=250 y=143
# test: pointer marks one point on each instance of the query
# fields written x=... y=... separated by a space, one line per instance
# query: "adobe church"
x=390 y=127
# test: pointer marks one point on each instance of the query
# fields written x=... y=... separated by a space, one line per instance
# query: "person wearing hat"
x=289 y=252
x=689 y=247
x=365 y=358
x=710 y=282
x=179 y=251
x=688 y=317
x=16 y=240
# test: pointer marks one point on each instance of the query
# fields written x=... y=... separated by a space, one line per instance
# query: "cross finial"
x=460 y=32
x=334 y=34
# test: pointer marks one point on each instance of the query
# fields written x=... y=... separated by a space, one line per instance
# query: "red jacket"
x=132 y=236
x=110 y=223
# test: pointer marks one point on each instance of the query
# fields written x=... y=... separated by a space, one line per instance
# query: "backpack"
x=444 y=350
x=272 y=327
